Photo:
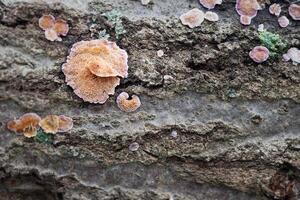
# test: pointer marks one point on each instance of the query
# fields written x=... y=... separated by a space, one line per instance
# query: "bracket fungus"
x=192 y=18
x=210 y=4
x=283 y=21
x=93 y=69
x=26 y=124
x=211 y=16
x=294 y=11
x=247 y=9
x=259 y=54
x=292 y=54
x=275 y=9
x=53 y=28
x=126 y=104
x=53 y=124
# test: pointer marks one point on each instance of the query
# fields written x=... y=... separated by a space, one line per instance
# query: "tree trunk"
x=213 y=124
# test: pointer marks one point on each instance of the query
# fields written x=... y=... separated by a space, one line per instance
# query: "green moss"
x=43 y=137
x=114 y=17
x=103 y=35
x=273 y=42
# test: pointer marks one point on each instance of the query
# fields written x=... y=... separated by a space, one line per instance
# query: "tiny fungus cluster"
x=29 y=124
x=292 y=54
x=247 y=9
x=53 y=28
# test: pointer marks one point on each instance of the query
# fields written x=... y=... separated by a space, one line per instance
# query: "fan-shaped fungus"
x=210 y=4
x=275 y=9
x=247 y=9
x=292 y=54
x=50 y=124
x=211 y=16
x=27 y=124
x=294 y=11
x=192 y=18
x=126 y=104
x=65 y=123
x=259 y=54
x=283 y=21
x=93 y=69
x=53 y=28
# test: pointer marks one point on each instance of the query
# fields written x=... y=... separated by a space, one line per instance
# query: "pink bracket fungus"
x=275 y=9
x=211 y=16
x=283 y=21
x=292 y=54
x=53 y=28
x=93 y=69
x=192 y=18
x=259 y=54
x=210 y=4
x=27 y=124
x=247 y=9
x=126 y=104
x=65 y=123
x=294 y=11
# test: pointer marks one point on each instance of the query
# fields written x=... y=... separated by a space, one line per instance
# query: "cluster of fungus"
x=53 y=28
x=29 y=123
x=275 y=9
x=94 y=68
x=210 y=4
x=195 y=17
x=292 y=54
x=247 y=9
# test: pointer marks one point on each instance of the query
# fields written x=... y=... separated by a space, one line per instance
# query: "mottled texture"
x=237 y=121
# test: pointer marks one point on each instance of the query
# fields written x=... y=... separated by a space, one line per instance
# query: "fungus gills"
x=94 y=68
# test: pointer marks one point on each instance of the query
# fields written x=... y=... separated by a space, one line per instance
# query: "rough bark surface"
x=237 y=122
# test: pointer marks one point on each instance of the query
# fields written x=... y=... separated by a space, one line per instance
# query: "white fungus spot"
x=160 y=53
x=134 y=146
x=211 y=16
x=174 y=134
x=261 y=28
x=145 y=2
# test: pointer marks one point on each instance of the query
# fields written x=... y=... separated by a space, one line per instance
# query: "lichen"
x=273 y=42
x=114 y=17
x=43 y=137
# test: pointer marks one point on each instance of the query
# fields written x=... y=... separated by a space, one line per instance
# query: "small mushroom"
x=93 y=69
x=50 y=124
x=210 y=4
x=294 y=11
x=275 y=9
x=65 y=123
x=259 y=54
x=145 y=2
x=126 y=104
x=211 y=16
x=283 y=21
x=160 y=53
x=27 y=124
x=61 y=27
x=245 y=20
x=192 y=18
x=46 y=22
x=51 y=35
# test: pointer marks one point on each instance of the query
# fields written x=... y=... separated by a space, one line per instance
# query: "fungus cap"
x=61 y=27
x=93 y=69
x=283 y=21
x=51 y=35
x=50 y=124
x=46 y=22
x=210 y=4
x=247 y=7
x=134 y=146
x=275 y=9
x=245 y=20
x=26 y=124
x=294 y=11
x=126 y=104
x=145 y=2
x=292 y=54
x=65 y=123
x=259 y=54
x=211 y=16
x=192 y=18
